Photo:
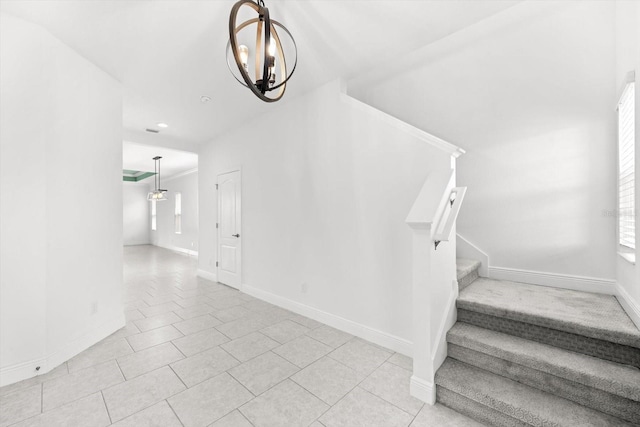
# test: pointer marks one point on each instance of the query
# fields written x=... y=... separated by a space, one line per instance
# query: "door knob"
x=235 y=235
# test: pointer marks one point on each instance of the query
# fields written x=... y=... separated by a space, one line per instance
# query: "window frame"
x=626 y=159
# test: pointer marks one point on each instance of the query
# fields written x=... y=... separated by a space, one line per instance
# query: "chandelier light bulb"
x=272 y=47
x=243 y=52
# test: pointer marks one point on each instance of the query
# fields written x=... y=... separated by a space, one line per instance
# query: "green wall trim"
x=143 y=175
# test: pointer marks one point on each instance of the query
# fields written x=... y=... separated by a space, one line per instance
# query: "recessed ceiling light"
x=204 y=99
x=163 y=125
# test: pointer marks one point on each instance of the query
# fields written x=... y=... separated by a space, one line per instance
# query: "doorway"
x=229 y=229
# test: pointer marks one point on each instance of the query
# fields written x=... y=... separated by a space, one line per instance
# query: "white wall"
x=60 y=186
x=326 y=189
x=530 y=94
x=628 y=59
x=135 y=213
x=165 y=235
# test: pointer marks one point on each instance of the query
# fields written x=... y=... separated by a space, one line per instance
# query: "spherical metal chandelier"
x=270 y=70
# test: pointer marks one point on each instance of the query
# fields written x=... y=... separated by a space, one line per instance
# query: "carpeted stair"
x=525 y=355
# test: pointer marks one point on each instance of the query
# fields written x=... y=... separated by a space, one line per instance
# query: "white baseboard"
x=392 y=342
x=178 y=249
x=207 y=275
x=631 y=306
x=423 y=390
x=563 y=281
x=22 y=371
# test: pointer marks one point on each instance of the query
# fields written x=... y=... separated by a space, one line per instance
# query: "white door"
x=229 y=229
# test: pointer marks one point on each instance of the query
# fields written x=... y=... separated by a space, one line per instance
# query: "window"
x=153 y=215
x=626 y=167
x=178 y=214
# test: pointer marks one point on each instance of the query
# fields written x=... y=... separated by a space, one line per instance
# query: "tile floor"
x=199 y=354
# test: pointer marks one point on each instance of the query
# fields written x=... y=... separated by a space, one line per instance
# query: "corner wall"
x=529 y=93
x=60 y=197
x=326 y=189
x=135 y=214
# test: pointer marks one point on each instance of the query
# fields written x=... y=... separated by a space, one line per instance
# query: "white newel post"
x=422 y=381
x=433 y=279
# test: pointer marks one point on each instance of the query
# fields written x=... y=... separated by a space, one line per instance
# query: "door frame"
x=226 y=171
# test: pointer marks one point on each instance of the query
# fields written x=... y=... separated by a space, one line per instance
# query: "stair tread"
x=593 y=315
x=465 y=266
x=611 y=377
x=517 y=400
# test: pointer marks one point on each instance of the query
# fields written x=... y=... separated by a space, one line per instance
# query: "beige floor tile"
x=361 y=356
x=157 y=321
x=330 y=336
x=285 y=331
x=286 y=404
x=209 y=401
x=200 y=341
x=197 y=324
x=79 y=384
x=328 y=379
x=241 y=327
x=189 y=302
x=195 y=311
x=250 y=346
x=302 y=351
x=141 y=392
x=160 y=299
x=263 y=372
x=360 y=408
x=153 y=337
x=257 y=305
x=205 y=365
x=86 y=412
x=391 y=383
x=305 y=321
x=441 y=416
x=402 y=361
x=20 y=405
x=101 y=352
x=232 y=419
x=158 y=415
x=227 y=302
x=231 y=314
x=39 y=379
x=150 y=359
x=159 y=309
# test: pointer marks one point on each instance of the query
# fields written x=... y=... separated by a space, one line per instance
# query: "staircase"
x=525 y=355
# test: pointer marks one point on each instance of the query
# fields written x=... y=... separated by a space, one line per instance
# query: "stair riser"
x=475 y=410
x=467 y=279
x=590 y=346
x=584 y=395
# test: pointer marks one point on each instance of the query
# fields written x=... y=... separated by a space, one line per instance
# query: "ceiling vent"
x=153 y=130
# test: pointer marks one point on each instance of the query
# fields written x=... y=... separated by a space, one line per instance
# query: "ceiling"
x=139 y=157
x=167 y=54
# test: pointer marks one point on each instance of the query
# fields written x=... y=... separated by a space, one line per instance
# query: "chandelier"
x=157 y=194
x=268 y=53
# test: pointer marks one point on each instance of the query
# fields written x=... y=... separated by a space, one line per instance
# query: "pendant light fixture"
x=268 y=52
x=157 y=194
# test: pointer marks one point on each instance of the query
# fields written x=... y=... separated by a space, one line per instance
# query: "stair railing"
x=432 y=220
x=447 y=220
